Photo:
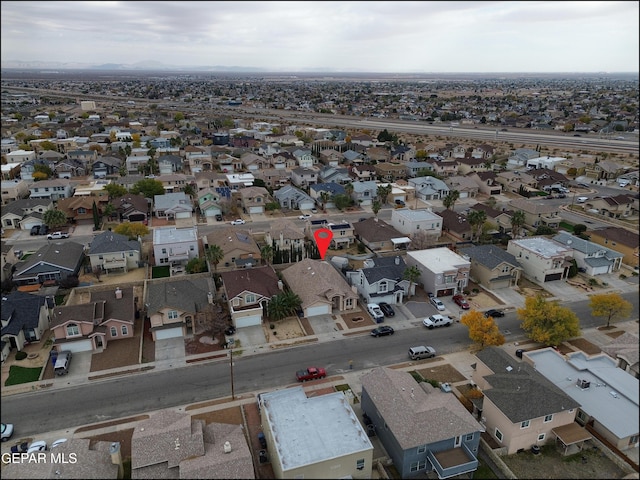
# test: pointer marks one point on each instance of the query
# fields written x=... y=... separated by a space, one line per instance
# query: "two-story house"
x=343 y=233
x=442 y=271
x=254 y=199
x=25 y=317
x=542 y=259
x=621 y=240
x=409 y=222
x=492 y=267
x=54 y=189
x=175 y=246
x=13 y=190
x=619 y=206
x=537 y=213
x=283 y=234
x=111 y=252
x=429 y=188
x=304 y=176
x=594 y=259
x=238 y=246
x=364 y=192
x=381 y=279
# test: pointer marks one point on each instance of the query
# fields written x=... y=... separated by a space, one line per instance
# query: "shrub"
x=21 y=355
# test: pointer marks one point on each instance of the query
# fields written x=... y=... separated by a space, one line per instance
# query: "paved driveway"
x=170 y=349
x=323 y=324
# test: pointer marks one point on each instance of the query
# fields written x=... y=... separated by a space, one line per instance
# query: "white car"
x=58 y=442
x=304 y=216
x=375 y=311
x=7 y=431
x=39 y=446
x=57 y=235
x=437 y=303
x=437 y=320
x=239 y=221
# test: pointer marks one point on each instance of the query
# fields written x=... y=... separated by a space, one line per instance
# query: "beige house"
x=537 y=213
x=492 y=267
x=619 y=206
x=13 y=190
x=284 y=234
x=238 y=246
x=320 y=287
x=314 y=437
x=343 y=232
x=519 y=407
x=542 y=259
x=254 y=199
x=621 y=240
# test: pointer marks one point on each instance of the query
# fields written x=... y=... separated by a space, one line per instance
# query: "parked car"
x=230 y=330
x=418 y=353
x=238 y=221
x=387 y=309
x=313 y=210
x=39 y=446
x=382 y=331
x=35 y=230
x=218 y=218
x=376 y=313
x=58 y=442
x=437 y=320
x=22 y=447
x=311 y=373
x=304 y=216
x=7 y=431
x=400 y=203
x=461 y=302
x=562 y=195
x=43 y=230
x=437 y=303
x=57 y=235
x=494 y=313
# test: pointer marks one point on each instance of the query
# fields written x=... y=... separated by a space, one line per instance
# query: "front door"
x=99 y=343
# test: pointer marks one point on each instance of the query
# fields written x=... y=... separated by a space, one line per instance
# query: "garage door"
x=319 y=310
x=255 y=209
x=79 y=346
x=249 y=321
x=552 y=277
x=168 y=333
x=183 y=215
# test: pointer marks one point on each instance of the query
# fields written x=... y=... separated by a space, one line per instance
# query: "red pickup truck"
x=310 y=373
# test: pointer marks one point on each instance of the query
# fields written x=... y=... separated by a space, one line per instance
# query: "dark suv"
x=386 y=309
x=43 y=230
x=35 y=230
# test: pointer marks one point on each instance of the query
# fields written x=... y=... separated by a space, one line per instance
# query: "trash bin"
x=535 y=450
x=519 y=353
x=263 y=456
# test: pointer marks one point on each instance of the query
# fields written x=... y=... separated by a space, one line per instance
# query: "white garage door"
x=168 y=333
x=183 y=215
x=256 y=209
x=319 y=310
x=464 y=194
x=79 y=346
x=600 y=270
x=306 y=205
x=249 y=321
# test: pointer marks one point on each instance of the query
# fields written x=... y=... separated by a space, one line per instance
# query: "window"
x=416 y=466
x=548 y=418
x=383 y=287
x=249 y=298
x=114 y=331
x=422 y=449
x=173 y=314
x=468 y=437
x=499 y=435
x=541 y=437
x=360 y=464
x=125 y=331
x=164 y=251
x=82 y=210
x=348 y=302
x=525 y=424
x=72 y=330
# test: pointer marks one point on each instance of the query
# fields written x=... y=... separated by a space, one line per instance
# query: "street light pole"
x=233 y=397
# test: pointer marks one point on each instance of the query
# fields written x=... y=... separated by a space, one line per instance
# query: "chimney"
x=280 y=285
x=227 y=447
x=116 y=457
x=397 y=260
x=210 y=298
x=118 y=293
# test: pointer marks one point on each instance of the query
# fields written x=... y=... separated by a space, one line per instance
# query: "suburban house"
x=79 y=210
x=339 y=175
x=320 y=287
x=292 y=198
x=364 y=192
x=110 y=252
x=304 y=176
x=455 y=225
x=175 y=246
x=209 y=203
x=620 y=206
x=134 y=208
x=329 y=189
x=542 y=259
x=537 y=213
x=390 y=172
x=381 y=279
x=429 y=188
x=274 y=177
x=108 y=315
x=343 y=232
x=13 y=190
x=305 y=158
x=442 y=271
x=239 y=248
x=53 y=189
x=500 y=218
x=618 y=239
x=168 y=164
x=362 y=172
x=318 y=436
x=378 y=235
x=604 y=170
x=486 y=182
x=624 y=349
x=172 y=444
x=248 y=292
x=492 y=267
x=175 y=306
x=514 y=181
x=606 y=396
x=50 y=263
x=409 y=222
x=466 y=186
x=422 y=428
x=172 y=206
x=593 y=258
x=25 y=213
x=253 y=199
x=173 y=182
x=415 y=167
x=25 y=317
x=470 y=164
x=520 y=408
x=283 y=234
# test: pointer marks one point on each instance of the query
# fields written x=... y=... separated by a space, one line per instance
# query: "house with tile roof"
x=50 y=263
x=491 y=266
x=248 y=292
x=254 y=199
x=174 y=445
x=112 y=252
x=285 y=235
x=466 y=187
x=593 y=258
x=343 y=232
x=618 y=206
x=621 y=240
x=320 y=287
x=423 y=429
x=25 y=317
x=315 y=436
x=520 y=407
x=175 y=305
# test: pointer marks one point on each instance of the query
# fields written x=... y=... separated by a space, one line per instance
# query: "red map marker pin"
x=323 y=238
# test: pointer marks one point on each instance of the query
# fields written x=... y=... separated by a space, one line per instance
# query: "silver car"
x=437 y=303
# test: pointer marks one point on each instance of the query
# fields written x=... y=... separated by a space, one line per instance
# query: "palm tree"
x=324 y=198
x=449 y=202
x=383 y=192
x=214 y=254
x=283 y=305
x=348 y=189
x=476 y=219
x=266 y=252
x=517 y=222
x=375 y=207
x=412 y=274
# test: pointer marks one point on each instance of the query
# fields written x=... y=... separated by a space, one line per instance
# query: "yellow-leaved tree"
x=482 y=330
x=548 y=322
x=133 y=230
x=610 y=306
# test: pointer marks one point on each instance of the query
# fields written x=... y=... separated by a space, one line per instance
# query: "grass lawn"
x=160 y=272
x=567 y=226
x=18 y=375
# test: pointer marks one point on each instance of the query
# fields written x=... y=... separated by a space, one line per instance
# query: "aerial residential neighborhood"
x=146 y=236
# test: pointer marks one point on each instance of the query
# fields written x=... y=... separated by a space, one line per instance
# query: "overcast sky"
x=386 y=36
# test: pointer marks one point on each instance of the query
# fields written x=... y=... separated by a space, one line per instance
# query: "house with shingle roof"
x=486 y=182
x=520 y=407
x=52 y=262
x=108 y=315
x=593 y=258
x=331 y=188
x=455 y=225
x=621 y=240
x=293 y=198
x=381 y=279
x=466 y=187
x=492 y=267
x=320 y=287
x=618 y=206
x=134 y=208
x=254 y=199
x=422 y=428
x=172 y=205
x=378 y=235
x=248 y=292
x=174 y=445
x=25 y=212
x=429 y=188
x=500 y=218
x=624 y=349
x=54 y=189
x=25 y=317
x=111 y=251
x=537 y=212
x=174 y=305
x=239 y=248
x=285 y=235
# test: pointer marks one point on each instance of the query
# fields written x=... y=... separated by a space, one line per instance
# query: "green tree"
x=324 y=198
x=413 y=275
x=579 y=229
x=43 y=168
x=482 y=330
x=476 y=219
x=132 y=230
x=383 y=193
x=96 y=216
x=548 y=322
x=283 y=305
x=610 y=306
x=54 y=218
x=266 y=252
x=348 y=189
x=545 y=230
x=214 y=254
x=196 y=265
x=148 y=187
x=375 y=207
x=449 y=202
x=517 y=222
x=115 y=191
x=342 y=201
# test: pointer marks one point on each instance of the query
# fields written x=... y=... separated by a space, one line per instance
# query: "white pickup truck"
x=57 y=235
